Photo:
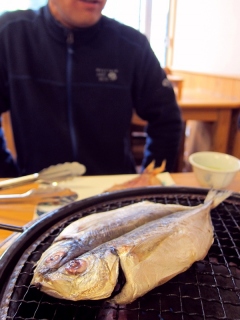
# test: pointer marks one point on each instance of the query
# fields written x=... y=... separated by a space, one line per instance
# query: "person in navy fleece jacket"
x=71 y=79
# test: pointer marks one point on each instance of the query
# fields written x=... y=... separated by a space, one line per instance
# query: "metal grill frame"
x=218 y=273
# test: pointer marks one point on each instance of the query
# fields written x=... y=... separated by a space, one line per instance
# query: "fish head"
x=92 y=276
x=56 y=255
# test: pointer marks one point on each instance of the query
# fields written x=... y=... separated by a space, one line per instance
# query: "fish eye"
x=76 y=266
x=55 y=257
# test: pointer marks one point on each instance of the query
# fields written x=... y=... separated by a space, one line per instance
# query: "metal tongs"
x=50 y=194
x=52 y=174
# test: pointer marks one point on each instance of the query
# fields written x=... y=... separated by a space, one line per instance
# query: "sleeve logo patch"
x=166 y=83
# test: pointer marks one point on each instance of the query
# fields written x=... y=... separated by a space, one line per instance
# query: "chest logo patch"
x=107 y=75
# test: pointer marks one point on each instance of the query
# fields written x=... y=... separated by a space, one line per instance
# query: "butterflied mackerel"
x=149 y=256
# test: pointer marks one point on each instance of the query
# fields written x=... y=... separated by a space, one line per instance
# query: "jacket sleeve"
x=155 y=102
x=8 y=167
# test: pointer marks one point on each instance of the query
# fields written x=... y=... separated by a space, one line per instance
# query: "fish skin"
x=88 y=232
x=149 y=256
x=163 y=257
x=160 y=253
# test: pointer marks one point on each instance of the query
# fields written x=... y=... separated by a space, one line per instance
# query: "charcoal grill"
x=210 y=289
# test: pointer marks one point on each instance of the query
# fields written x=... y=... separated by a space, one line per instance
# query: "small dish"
x=214 y=169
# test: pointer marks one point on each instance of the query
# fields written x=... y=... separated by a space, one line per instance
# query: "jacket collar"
x=61 y=33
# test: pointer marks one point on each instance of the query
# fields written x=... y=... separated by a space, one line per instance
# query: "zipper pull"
x=70 y=38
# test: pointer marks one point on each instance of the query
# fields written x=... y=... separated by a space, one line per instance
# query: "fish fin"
x=141 y=251
x=217 y=196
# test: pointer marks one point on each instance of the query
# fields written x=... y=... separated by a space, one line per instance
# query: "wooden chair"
x=7 y=128
x=138 y=140
x=176 y=81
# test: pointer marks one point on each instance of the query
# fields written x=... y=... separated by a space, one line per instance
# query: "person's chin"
x=88 y=21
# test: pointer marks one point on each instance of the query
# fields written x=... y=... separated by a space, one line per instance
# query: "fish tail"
x=161 y=168
x=217 y=196
x=154 y=171
x=150 y=167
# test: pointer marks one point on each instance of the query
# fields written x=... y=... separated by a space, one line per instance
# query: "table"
x=86 y=186
x=223 y=112
x=201 y=106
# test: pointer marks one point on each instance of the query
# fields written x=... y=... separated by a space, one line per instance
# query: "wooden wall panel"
x=215 y=84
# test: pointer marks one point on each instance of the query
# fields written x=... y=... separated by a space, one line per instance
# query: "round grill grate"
x=210 y=289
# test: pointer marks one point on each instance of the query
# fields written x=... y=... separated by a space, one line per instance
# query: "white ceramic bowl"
x=214 y=169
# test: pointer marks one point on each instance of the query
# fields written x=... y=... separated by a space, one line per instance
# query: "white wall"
x=207 y=36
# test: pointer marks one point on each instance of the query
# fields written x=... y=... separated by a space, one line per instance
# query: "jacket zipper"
x=70 y=41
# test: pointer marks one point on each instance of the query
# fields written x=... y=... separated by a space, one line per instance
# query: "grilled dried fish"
x=88 y=232
x=149 y=256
